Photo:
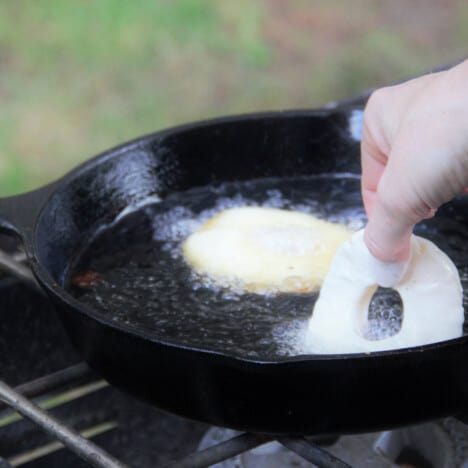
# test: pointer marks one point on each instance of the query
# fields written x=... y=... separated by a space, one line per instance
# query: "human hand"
x=414 y=154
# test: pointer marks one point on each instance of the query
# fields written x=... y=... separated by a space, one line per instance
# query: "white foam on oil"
x=175 y=225
x=178 y=223
x=293 y=339
x=386 y=322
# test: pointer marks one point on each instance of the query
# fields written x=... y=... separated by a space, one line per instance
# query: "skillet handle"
x=19 y=212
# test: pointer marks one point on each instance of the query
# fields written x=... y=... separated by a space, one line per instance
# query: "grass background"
x=79 y=77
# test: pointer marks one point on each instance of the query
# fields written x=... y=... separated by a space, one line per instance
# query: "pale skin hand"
x=414 y=155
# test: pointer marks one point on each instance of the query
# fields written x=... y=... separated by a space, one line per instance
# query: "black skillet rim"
x=55 y=289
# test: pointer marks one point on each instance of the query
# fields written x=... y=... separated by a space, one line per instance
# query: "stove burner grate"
x=98 y=457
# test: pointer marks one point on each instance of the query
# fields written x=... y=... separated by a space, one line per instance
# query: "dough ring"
x=265 y=249
x=430 y=290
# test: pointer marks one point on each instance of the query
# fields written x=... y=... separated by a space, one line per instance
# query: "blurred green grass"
x=79 y=77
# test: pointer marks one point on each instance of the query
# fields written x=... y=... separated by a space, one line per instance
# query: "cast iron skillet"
x=302 y=395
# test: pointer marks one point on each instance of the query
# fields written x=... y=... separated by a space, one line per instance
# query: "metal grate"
x=97 y=457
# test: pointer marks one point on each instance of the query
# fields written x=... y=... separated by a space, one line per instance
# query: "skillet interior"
x=296 y=396
x=142 y=279
x=134 y=271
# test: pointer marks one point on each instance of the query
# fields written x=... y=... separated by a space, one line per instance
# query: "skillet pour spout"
x=302 y=395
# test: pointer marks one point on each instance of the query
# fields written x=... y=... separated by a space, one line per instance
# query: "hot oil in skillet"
x=134 y=272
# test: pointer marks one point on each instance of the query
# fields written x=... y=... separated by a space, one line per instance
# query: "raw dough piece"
x=430 y=291
x=265 y=249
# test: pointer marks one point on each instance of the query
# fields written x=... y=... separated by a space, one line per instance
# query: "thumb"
x=397 y=208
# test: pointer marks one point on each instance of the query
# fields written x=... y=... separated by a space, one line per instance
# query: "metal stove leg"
x=312 y=453
x=82 y=447
x=221 y=452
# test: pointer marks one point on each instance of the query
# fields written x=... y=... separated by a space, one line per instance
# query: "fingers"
x=405 y=196
x=373 y=164
x=373 y=158
x=392 y=204
x=397 y=207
